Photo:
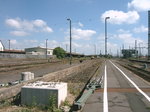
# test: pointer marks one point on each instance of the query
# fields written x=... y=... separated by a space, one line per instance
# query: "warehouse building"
x=39 y=51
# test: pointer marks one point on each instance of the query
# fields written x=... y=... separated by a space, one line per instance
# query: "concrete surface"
x=122 y=95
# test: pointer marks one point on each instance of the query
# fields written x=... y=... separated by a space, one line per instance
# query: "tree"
x=59 y=52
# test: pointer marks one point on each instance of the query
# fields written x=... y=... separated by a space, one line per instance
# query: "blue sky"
x=28 y=23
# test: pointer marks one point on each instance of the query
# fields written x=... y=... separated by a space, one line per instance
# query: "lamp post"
x=46 y=48
x=149 y=35
x=9 y=45
x=70 y=42
x=106 y=35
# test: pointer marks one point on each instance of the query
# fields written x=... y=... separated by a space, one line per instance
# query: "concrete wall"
x=43 y=93
x=14 y=90
x=24 y=56
x=38 y=96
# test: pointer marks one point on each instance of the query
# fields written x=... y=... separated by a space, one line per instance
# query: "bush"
x=59 y=52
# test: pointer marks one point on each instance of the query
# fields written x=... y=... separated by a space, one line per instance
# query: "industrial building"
x=41 y=93
x=39 y=51
x=1 y=46
x=127 y=53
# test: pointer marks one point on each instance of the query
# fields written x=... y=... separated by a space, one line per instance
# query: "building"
x=1 y=46
x=127 y=53
x=39 y=51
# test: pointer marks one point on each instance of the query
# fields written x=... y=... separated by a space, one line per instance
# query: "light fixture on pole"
x=149 y=35
x=9 y=45
x=106 y=35
x=46 y=48
x=70 y=42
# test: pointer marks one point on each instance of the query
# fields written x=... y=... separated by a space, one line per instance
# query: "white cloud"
x=101 y=37
x=128 y=38
x=123 y=31
x=74 y=44
x=120 y=17
x=139 y=5
x=80 y=24
x=82 y=34
x=77 y=45
x=13 y=23
x=14 y=42
x=30 y=41
x=140 y=29
x=112 y=48
x=24 y=27
x=19 y=33
x=47 y=29
x=53 y=43
x=39 y=23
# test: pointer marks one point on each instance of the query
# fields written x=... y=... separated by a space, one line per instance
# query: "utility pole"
x=136 y=48
x=46 y=48
x=70 y=42
x=120 y=52
x=9 y=45
x=106 y=35
x=139 y=50
x=100 y=53
x=149 y=35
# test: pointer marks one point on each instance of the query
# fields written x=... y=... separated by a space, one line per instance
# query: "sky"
x=28 y=23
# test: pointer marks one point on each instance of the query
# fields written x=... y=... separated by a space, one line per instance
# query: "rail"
x=140 y=72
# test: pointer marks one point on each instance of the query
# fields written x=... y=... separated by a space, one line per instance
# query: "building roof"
x=38 y=48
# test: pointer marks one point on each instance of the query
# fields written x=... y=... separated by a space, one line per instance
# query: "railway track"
x=139 y=71
x=11 y=67
x=24 y=65
x=141 y=61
